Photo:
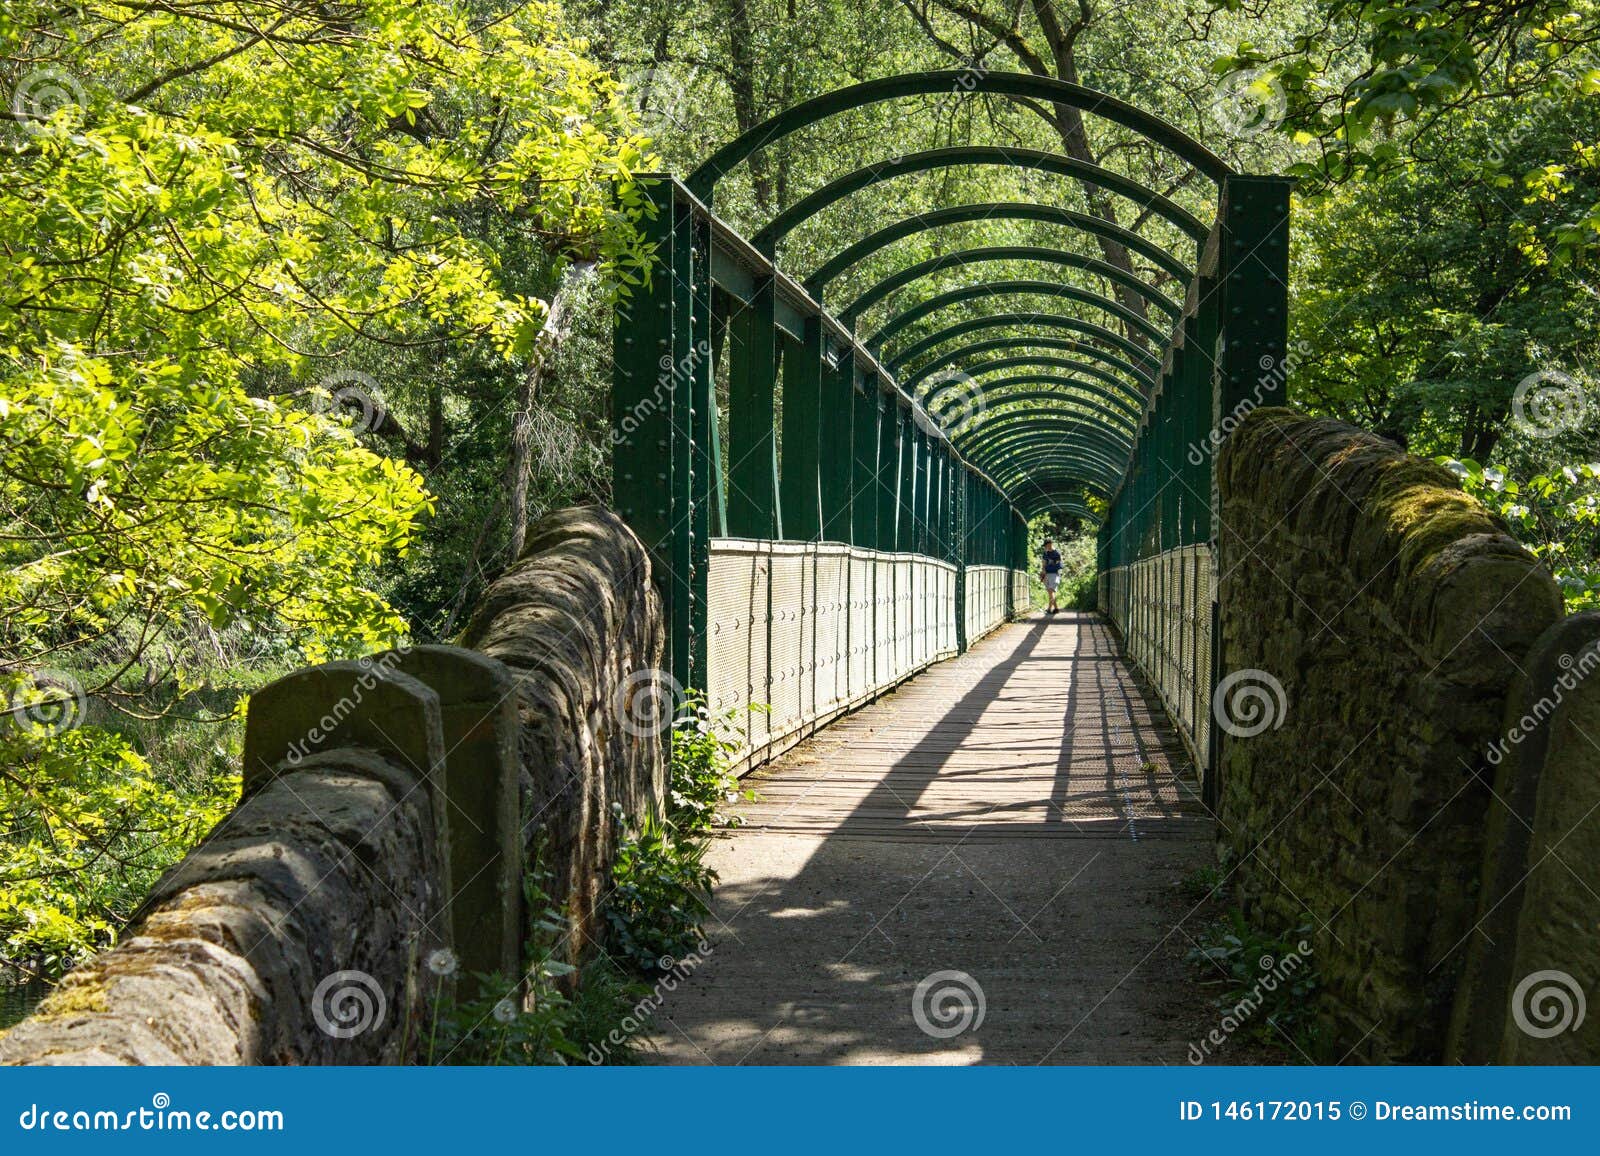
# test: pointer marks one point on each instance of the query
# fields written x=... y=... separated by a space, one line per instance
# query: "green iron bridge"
x=920 y=430
x=1316 y=662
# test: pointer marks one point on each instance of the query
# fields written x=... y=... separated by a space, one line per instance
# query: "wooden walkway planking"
x=1020 y=814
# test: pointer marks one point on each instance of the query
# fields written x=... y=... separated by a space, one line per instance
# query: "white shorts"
x=1051 y=581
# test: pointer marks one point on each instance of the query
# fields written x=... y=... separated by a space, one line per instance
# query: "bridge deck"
x=1015 y=814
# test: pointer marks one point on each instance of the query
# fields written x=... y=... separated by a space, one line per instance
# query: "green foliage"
x=1201 y=885
x=661 y=883
x=89 y=826
x=1269 y=982
x=1556 y=514
x=510 y=1021
x=221 y=223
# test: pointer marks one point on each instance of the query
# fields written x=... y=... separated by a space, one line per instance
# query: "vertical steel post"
x=752 y=444
x=800 y=482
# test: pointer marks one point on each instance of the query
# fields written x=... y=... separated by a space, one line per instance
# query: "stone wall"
x=1534 y=962
x=578 y=623
x=1373 y=617
x=389 y=809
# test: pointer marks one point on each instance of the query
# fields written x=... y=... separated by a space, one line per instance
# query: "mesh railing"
x=986 y=599
x=1162 y=606
x=813 y=629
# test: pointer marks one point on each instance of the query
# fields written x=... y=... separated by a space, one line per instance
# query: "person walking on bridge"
x=1050 y=573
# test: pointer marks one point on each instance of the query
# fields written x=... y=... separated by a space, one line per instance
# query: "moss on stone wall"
x=1393 y=608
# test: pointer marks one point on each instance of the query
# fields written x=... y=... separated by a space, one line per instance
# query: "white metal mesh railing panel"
x=986 y=599
x=783 y=671
x=832 y=634
x=1021 y=594
x=1162 y=607
x=731 y=588
x=882 y=619
x=810 y=630
x=859 y=596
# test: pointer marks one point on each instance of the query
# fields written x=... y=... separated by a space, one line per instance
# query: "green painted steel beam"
x=1143 y=366
x=967 y=81
x=773 y=233
x=1018 y=288
x=1032 y=253
x=818 y=282
x=1011 y=463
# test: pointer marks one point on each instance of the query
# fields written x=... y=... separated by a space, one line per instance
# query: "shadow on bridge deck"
x=1021 y=815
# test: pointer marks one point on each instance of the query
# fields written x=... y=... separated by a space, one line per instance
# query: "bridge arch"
x=962 y=414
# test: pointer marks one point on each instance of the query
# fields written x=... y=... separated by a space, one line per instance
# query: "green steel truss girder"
x=979 y=416
x=1144 y=366
x=995 y=344
x=770 y=236
x=1019 y=288
x=958 y=379
x=819 y=281
x=1034 y=253
x=967 y=81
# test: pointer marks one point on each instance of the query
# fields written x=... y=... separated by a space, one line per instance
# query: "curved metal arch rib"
x=993 y=210
x=1044 y=401
x=991 y=393
x=993 y=437
x=1019 y=288
x=1037 y=362
x=703 y=180
x=1054 y=434
x=1007 y=462
x=996 y=344
x=1145 y=372
x=1054 y=459
x=1037 y=253
x=809 y=206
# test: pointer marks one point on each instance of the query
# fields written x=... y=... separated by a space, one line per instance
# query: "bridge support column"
x=664 y=421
